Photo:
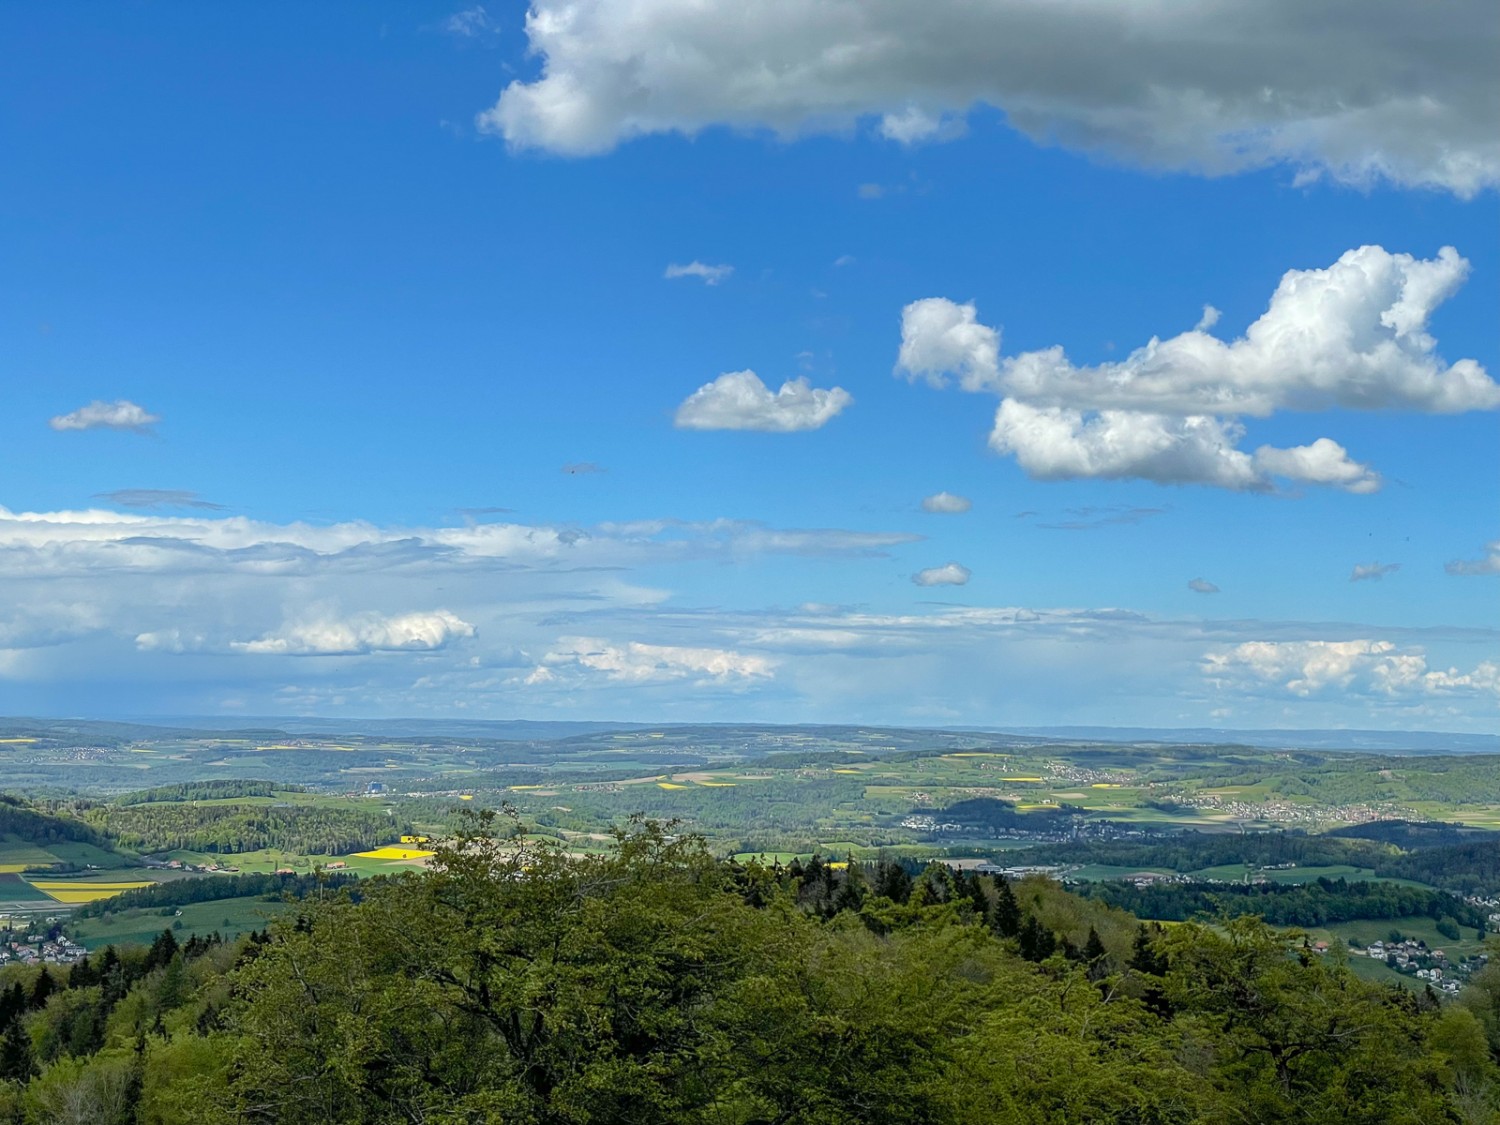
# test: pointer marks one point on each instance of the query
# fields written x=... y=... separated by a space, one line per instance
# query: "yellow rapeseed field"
x=670 y=785
x=392 y=852
x=74 y=893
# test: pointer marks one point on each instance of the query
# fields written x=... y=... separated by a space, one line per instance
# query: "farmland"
x=165 y=804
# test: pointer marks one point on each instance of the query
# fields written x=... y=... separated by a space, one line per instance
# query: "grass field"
x=229 y=917
x=1236 y=872
x=15 y=889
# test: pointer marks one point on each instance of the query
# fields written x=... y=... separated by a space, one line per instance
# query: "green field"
x=15 y=889
x=229 y=917
x=1236 y=873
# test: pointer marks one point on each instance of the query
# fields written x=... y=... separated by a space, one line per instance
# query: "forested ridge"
x=1316 y=903
x=516 y=984
x=20 y=819
x=228 y=829
x=211 y=790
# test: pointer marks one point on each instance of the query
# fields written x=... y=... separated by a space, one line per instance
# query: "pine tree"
x=44 y=987
x=16 y=1062
x=1144 y=957
x=892 y=882
x=980 y=901
x=1095 y=956
x=81 y=975
x=12 y=1004
x=1006 y=920
x=1037 y=942
x=163 y=949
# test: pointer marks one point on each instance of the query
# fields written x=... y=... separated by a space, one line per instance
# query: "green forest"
x=229 y=829
x=657 y=983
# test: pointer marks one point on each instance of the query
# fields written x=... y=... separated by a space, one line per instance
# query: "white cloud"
x=471 y=23
x=946 y=503
x=367 y=633
x=1368 y=667
x=1353 y=336
x=949 y=574
x=710 y=275
x=1325 y=461
x=1401 y=92
x=1372 y=572
x=119 y=415
x=738 y=400
x=1209 y=318
x=1202 y=586
x=638 y=663
x=940 y=338
x=844 y=260
x=913 y=125
x=1054 y=443
x=1489 y=564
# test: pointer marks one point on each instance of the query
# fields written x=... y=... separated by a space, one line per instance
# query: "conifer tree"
x=44 y=987
x=1006 y=920
x=16 y=1062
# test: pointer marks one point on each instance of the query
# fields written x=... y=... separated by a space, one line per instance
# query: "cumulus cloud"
x=940 y=338
x=949 y=574
x=1372 y=572
x=121 y=414
x=1202 y=586
x=1055 y=443
x=153 y=498
x=1355 y=92
x=1489 y=564
x=946 y=503
x=638 y=663
x=1373 y=667
x=357 y=636
x=1353 y=335
x=738 y=400
x=710 y=275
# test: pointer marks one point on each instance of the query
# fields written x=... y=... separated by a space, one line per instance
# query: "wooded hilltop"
x=512 y=983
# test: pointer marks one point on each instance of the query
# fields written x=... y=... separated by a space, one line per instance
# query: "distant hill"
x=1387 y=741
x=1414 y=835
x=32 y=837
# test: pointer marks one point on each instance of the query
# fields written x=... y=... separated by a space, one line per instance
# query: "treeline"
x=229 y=829
x=21 y=819
x=183 y=892
x=1193 y=851
x=1316 y=903
x=1472 y=869
x=208 y=791
x=659 y=985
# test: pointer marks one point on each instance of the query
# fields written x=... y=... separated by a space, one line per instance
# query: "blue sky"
x=397 y=404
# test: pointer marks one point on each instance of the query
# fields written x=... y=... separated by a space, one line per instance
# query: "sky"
x=941 y=363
